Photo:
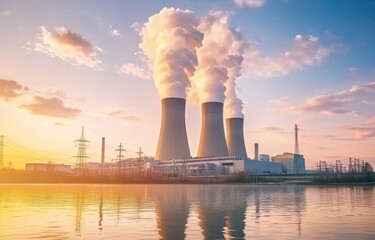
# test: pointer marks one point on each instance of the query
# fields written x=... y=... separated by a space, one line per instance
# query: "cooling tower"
x=235 y=138
x=212 y=140
x=173 y=142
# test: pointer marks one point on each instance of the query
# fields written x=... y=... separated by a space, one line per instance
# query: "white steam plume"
x=220 y=59
x=170 y=39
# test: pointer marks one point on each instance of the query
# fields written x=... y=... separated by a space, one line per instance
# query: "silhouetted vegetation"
x=366 y=175
x=22 y=176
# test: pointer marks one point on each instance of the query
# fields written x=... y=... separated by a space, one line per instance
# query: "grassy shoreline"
x=11 y=176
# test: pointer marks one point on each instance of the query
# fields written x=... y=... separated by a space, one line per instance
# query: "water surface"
x=75 y=211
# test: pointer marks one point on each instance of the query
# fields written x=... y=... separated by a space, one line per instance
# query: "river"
x=151 y=211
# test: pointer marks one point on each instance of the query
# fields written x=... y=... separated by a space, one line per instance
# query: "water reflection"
x=100 y=209
x=80 y=200
x=185 y=211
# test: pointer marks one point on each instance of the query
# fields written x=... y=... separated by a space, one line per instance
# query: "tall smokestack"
x=256 y=151
x=296 y=147
x=212 y=140
x=235 y=138
x=103 y=148
x=173 y=142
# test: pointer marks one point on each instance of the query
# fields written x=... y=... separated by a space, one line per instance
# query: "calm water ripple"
x=186 y=212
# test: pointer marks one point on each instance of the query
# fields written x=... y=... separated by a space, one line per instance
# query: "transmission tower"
x=120 y=149
x=2 y=151
x=296 y=147
x=140 y=153
x=81 y=155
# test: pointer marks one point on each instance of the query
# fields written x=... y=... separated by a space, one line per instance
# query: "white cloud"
x=6 y=13
x=353 y=70
x=134 y=70
x=136 y=27
x=114 y=32
x=250 y=3
x=304 y=52
x=281 y=101
x=68 y=46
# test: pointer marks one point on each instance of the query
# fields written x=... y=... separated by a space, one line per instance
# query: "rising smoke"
x=220 y=59
x=170 y=39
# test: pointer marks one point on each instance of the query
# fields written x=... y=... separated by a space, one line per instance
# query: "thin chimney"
x=256 y=151
x=103 y=149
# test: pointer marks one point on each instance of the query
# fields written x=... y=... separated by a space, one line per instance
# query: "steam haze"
x=220 y=59
x=170 y=39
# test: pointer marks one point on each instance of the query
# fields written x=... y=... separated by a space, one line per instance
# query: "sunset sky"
x=68 y=64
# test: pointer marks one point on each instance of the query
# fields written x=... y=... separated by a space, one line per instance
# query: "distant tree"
x=10 y=164
x=368 y=168
x=50 y=166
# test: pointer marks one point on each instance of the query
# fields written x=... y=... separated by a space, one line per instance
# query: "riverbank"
x=22 y=176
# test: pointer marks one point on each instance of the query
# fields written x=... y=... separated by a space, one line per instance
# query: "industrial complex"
x=219 y=153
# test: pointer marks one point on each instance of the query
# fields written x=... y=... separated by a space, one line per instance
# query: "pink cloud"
x=337 y=103
x=10 y=89
x=51 y=107
x=361 y=131
x=68 y=46
x=123 y=116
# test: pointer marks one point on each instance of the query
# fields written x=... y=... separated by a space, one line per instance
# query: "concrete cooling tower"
x=212 y=140
x=173 y=142
x=235 y=138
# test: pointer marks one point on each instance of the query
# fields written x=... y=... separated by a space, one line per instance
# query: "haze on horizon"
x=64 y=65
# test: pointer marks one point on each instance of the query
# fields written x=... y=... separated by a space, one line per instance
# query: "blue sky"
x=307 y=62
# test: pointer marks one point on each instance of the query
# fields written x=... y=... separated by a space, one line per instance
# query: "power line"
x=24 y=152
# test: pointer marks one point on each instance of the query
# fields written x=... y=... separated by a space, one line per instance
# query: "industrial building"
x=48 y=167
x=292 y=163
x=219 y=165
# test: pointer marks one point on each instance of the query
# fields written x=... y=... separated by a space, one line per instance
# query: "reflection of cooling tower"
x=173 y=143
x=212 y=140
x=235 y=138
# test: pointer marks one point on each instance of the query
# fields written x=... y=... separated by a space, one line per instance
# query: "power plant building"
x=264 y=157
x=48 y=167
x=292 y=163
